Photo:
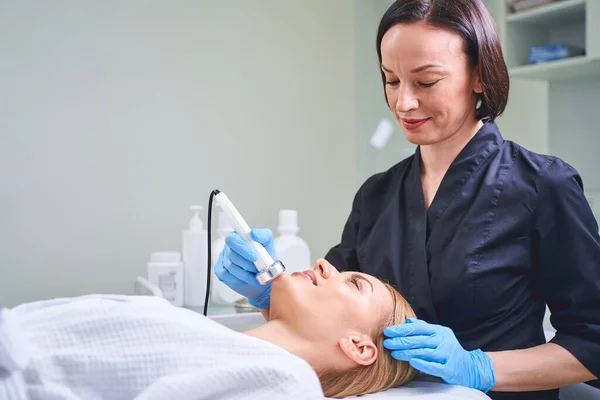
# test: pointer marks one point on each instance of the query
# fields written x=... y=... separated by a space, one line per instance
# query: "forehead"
x=415 y=44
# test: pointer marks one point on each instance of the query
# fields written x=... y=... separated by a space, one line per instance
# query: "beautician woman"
x=478 y=233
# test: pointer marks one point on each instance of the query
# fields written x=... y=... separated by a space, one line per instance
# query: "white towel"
x=15 y=354
x=120 y=347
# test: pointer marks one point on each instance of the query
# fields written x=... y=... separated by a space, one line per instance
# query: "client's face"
x=344 y=309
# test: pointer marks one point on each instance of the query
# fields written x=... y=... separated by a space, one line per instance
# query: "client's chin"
x=281 y=290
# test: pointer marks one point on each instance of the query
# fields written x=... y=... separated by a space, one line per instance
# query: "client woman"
x=323 y=337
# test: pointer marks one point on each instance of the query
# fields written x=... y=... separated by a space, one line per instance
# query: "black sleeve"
x=568 y=259
x=343 y=256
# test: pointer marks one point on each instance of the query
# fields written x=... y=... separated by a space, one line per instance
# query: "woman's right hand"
x=235 y=267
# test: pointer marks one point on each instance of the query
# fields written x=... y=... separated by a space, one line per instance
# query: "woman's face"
x=430 y=86
x=323 y=304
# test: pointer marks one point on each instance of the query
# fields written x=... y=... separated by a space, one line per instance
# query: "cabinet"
x=574 y=22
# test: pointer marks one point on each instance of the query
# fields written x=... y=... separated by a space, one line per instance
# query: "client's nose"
x=320 y=268
x=323 y=268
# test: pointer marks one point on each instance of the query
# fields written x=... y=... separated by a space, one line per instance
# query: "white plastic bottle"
x=220 y=293
x=290 y=248
x=195 y=258
x=165 y=270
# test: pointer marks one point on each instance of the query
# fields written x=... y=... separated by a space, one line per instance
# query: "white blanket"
x=119 y=347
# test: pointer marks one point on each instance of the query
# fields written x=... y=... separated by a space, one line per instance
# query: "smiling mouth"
x=411 y=124
x=311 y=276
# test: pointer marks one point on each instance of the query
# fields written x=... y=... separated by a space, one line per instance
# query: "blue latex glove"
x=434 y=349
x=235 y=267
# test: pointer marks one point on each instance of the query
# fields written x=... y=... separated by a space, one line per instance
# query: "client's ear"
x=359 y=349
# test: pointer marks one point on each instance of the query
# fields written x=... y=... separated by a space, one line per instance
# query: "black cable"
x=209 y=266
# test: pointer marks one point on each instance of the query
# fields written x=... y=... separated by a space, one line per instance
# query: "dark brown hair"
x=472 y=21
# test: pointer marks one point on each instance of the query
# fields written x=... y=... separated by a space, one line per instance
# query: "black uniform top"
x=508 y=232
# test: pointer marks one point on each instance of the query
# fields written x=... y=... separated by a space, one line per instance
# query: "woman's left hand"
x=434 y=349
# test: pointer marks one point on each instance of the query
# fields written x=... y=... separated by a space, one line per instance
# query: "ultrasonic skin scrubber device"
x=268 y=269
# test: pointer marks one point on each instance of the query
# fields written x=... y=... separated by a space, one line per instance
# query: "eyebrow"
x=424 y=67
x=418 y=69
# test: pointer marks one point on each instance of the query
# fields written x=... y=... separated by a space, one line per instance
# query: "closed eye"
x=354 y=279
x=392 y=83
x=358 y=279
x=428 y=84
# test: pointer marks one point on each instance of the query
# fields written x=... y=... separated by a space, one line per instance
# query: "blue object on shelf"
x=552 y=52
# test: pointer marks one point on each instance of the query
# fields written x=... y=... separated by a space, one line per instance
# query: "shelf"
x=559 y=13
x=567 y=69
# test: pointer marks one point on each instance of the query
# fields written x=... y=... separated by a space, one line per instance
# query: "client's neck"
x=280 y=334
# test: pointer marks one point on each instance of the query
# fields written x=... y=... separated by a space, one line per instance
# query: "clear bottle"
x=165 y=270
x=195 y=257
x=292 y=250
x=220 y=293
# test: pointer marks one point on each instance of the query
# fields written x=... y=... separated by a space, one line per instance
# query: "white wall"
x=370 y=105
x=574 y=137
x=525 y=119
x=115 y=116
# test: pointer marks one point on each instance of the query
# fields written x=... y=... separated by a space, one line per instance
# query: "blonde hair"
x=386 y=372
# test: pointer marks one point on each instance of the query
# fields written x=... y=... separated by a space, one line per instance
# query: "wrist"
x=484 y=376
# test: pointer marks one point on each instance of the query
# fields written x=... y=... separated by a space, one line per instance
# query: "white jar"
x=165 y=270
